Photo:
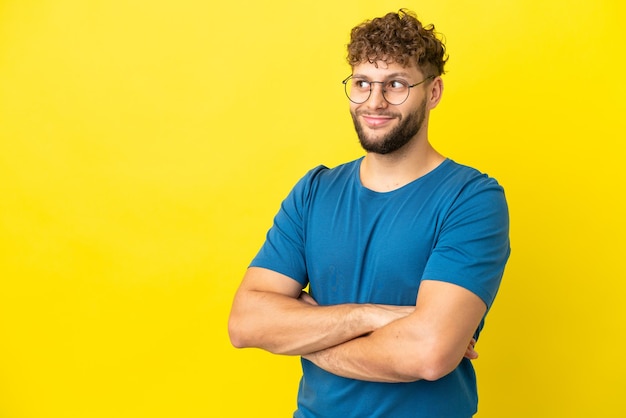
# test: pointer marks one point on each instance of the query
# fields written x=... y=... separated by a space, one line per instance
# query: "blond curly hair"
x=401 y=38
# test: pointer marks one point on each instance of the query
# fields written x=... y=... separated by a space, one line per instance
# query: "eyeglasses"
x=395 y=92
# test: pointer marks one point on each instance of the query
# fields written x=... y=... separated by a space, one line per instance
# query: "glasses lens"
x=396 y=92
x=357 y=89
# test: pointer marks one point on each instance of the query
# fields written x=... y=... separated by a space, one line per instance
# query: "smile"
x=374 y=121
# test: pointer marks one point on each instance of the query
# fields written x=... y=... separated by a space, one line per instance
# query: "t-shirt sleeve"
x=473 y=245
x=284 y=248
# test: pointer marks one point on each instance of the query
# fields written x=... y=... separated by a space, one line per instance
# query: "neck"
x=387 y=172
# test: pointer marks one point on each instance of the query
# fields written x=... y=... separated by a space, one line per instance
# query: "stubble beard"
x=397 y=138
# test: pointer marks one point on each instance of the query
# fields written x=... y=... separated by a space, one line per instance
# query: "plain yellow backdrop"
x=146 y=145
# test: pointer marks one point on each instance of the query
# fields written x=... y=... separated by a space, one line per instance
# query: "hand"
x=306 y=298
x=471 y=353
x=381 y=315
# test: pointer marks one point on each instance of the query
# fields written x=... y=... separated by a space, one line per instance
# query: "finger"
x=306 y=298
x=471 y=353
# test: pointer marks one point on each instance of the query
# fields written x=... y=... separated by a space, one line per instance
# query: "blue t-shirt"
x=354 y=245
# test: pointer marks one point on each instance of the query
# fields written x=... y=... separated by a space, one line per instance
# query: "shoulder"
x=464 y=176
x=469 y=192
x=461 y=182
x=324 y=177
x=342 y=171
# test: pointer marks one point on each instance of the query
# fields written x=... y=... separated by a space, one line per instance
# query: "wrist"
x=365 y=318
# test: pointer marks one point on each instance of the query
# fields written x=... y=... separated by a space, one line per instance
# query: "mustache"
x=381 y=113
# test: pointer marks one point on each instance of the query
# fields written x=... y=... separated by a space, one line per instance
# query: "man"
x=403 y=251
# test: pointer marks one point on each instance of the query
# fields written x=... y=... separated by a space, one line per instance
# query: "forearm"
x=286 y=325
x=369 y=358
x=428 y=344
x=391 y=354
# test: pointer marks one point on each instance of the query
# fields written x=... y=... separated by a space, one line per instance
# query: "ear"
x=435 y=91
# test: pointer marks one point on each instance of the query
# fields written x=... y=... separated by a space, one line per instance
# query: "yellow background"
x=146 y=145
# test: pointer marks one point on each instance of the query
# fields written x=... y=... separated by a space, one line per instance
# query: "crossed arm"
x=382 y=343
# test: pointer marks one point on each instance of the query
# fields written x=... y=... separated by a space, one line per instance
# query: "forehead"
x=382 y=69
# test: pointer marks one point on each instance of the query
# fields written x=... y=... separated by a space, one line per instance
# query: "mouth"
x=376 y=121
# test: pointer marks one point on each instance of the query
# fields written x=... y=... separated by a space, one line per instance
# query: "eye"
x=360 y=84
x=396 y=85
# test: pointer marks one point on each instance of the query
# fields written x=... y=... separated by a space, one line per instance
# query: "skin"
x=391 y=141
x=368 y=341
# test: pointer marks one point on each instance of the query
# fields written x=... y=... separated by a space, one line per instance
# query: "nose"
x=376 y=99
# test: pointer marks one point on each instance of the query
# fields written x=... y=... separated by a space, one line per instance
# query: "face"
x=383 y=128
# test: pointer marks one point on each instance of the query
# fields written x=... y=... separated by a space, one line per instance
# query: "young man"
x=403 y=251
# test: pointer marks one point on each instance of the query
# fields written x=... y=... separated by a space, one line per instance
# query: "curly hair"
x=400 y=38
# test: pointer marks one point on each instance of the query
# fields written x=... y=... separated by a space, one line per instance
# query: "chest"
x=367 y=248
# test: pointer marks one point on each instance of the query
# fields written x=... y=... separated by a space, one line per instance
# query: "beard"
x=398 y=137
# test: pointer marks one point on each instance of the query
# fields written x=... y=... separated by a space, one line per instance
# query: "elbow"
x=240 y=338
x=236 y=341
x=236 y=334
x=423 y=372
x=432 y=365
x=244 y=334
x=436 y=370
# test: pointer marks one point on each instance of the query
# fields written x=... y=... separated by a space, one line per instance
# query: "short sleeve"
x=473 y=246
x=283 y=250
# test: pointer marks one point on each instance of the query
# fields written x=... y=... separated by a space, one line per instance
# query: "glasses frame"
x=382 y=83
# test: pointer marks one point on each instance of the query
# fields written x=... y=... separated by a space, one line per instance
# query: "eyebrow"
x=388 y=76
